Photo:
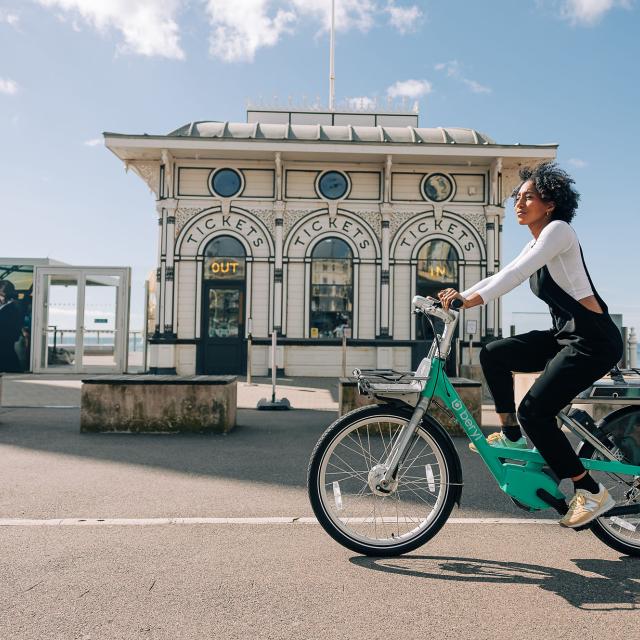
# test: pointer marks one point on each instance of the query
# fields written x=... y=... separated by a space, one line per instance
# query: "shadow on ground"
x=612 y=588
x=265 y=447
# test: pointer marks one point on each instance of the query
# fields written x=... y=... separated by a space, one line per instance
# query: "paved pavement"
x=64 y=579
x=27 y=390
x=258 y=469
x=267 y=582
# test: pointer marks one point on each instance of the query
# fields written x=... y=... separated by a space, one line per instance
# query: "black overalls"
x=582 y=347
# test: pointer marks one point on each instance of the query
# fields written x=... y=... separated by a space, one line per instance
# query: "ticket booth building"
x=317 y=226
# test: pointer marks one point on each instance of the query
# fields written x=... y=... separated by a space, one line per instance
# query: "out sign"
x=226 y=268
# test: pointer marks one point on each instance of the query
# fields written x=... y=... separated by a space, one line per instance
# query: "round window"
x=333 y=185
x=437 y=187
x=225 y=183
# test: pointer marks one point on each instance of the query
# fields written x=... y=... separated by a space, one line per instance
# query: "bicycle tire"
x=444 y=474
x=615 y=533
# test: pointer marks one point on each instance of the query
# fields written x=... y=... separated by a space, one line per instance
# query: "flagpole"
x=332 y=76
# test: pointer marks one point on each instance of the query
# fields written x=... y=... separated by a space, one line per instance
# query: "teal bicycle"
x=383 y=479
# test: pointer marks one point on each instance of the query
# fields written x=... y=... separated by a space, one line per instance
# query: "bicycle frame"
x=522 y=476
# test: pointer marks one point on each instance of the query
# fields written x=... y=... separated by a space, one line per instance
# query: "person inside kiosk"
x=10 y=327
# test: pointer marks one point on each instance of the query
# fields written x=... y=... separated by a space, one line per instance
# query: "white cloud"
x=350 y=14
x=148 y=27
x=578 y=163
x=12 y=19
x=241 y=27
x=409 y=89
x=8 y=86
x=589 y=12
x=476 y=87
x=453 y=70
x=93 y=142
x=404 y=19
x=362 y=102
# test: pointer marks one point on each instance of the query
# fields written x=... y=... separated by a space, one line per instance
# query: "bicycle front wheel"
x=622 y=428
x=342 y=486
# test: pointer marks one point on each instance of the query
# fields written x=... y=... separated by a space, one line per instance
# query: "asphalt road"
x=268 y=581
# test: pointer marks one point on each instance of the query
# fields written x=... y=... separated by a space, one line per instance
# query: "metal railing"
x=92 y=337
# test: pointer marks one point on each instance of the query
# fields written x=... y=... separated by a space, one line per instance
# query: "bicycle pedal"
x=584 y=527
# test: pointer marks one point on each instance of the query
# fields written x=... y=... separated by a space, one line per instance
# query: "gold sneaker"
x=585 y=507
x=498 y=439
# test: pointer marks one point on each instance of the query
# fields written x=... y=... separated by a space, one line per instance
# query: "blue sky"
x=532 y=71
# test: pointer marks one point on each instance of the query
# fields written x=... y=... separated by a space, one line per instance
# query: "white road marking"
x=142 y=522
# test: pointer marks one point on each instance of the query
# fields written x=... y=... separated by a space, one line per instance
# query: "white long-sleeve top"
x=558 y=248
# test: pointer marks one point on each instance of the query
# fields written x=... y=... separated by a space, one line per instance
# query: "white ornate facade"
x=278 y=215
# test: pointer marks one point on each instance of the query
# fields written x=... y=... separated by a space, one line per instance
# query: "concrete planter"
x=597 y=409
x=158 y=404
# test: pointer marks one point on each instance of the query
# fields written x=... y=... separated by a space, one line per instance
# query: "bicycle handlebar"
x=433 y=307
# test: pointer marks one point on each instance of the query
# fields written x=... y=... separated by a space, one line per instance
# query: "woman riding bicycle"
x=582 y=346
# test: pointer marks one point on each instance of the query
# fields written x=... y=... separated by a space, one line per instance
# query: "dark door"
x=223 y=328
x=422 y=344
x=437 y=269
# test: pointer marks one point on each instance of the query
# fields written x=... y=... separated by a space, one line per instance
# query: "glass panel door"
x=224 y=313
x=59 y=346
x=99 y=327
x=81 y=319
x=224 y=344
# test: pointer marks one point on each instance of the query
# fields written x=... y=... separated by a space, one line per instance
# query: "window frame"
x=321 y=195
x=242 y=257
x=427 y=177
x=321 y=273
x=452 y=247
x=211 y=179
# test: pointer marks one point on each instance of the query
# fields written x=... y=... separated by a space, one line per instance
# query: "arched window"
x=224 y=259
x=331 y=289
x=437 y=269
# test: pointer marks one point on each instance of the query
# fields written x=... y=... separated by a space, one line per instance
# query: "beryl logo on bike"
x=473 y=431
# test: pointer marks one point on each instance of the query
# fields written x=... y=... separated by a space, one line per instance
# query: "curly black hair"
x=554 y=185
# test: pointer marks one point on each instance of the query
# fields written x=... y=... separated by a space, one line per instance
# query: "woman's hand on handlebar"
x=447 y=296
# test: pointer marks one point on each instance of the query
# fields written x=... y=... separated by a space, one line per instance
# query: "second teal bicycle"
x=383 y=479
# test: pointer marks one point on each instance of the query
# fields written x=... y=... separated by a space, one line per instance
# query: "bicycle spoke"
x=415 y=493
x=350 y=449
x=368 y=516
x=362 y=447
x=351 y=468
x=358 y=444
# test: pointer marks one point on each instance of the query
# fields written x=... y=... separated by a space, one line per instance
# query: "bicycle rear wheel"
x=342 y=487
x=622 y=428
